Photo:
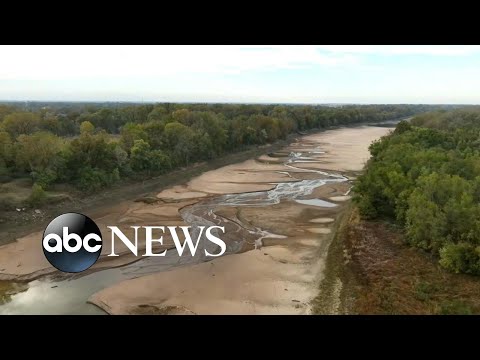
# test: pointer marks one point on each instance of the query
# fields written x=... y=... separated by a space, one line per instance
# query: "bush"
x=94 y=179
x=37 y=197
x=455 y=307
x=44 y=178
x=424 y=291
x=7 y=203
x=461 y=258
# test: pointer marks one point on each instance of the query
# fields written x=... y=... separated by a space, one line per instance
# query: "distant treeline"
x=92 y=145
x=426 y=177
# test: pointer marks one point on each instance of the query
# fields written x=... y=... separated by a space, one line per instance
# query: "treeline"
x=426 y=177
x=94 y=146
x=65 y=120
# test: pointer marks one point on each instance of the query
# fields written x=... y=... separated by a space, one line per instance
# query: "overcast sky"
x=291 y=74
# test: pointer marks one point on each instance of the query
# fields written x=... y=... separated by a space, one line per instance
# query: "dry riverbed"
x=282 y=277
x=289 y=199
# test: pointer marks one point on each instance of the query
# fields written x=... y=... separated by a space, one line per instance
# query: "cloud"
x=87 y=62
x=434 y=50
x=267 y=72
x=60 y=62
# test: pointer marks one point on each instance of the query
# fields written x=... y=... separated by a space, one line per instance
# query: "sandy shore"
x=282 y=277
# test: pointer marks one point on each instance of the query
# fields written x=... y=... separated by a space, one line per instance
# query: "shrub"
x=37 y=197
x=461 y=258
x=45 y=178
x=455 y=307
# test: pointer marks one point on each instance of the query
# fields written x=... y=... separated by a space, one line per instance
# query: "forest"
x=425 y=177
x=92 y=146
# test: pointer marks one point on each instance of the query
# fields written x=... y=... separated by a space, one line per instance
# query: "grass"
x=16 y=193
x=380 y=274
x=333 y=297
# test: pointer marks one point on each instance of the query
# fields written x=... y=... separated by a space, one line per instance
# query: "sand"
x=282 y=277
x=318 y=230
x=247 y=176
x=322 y=220
x=340 y=198
x=180 y=192
x=236 y=284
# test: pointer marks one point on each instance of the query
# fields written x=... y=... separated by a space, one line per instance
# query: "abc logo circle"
x=72 y=242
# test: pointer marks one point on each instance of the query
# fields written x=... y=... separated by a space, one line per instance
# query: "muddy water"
x=48 y=295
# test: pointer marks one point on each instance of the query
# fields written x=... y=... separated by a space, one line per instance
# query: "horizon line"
x=231 y=102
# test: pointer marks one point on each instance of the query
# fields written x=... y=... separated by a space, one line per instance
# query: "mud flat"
x=280 y=199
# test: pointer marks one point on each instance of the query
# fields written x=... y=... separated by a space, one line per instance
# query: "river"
x=304 y=164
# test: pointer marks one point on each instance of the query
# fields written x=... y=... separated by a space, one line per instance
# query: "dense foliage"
x=95 y=145
x=426 y=176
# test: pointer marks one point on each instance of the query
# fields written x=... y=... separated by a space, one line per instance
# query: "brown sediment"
x=340 y=198
x=180 y=192
x=237 y=284
x=322 y=220
x=282 y=277
x=247 y=176
x=319 y=230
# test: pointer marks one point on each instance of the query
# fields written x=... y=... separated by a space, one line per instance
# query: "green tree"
x=6 y=151
x=154 y=131
x=131 y=132
x=19 y=123
x=36 y=152
x=143 y=159
x=180 y=141
x=86 y=127
x=91 y=162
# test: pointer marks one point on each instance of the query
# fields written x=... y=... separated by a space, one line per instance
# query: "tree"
x=154 y=131
x=131 y=132
x=158 y=113
x=6 y=150
x=427 y=179
x=5 y=110
x=143 y=159
x=36 y=152
x=20 y=123
x=402 y=127
x=214 y=127
x=86 y=127
x=49 y=122
x=180 y=141
x=140 y=156
x=91 y=162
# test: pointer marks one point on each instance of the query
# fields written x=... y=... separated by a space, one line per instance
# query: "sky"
x=242 y=73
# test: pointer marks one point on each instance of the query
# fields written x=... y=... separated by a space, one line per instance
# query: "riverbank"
x=370 y=270
x=16 y=224
x=282 y=277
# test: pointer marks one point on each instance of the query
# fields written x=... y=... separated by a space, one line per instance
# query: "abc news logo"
x=73 y=242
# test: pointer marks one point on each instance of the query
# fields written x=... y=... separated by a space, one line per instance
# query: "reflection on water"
x=8 y=289
x=70 y=296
